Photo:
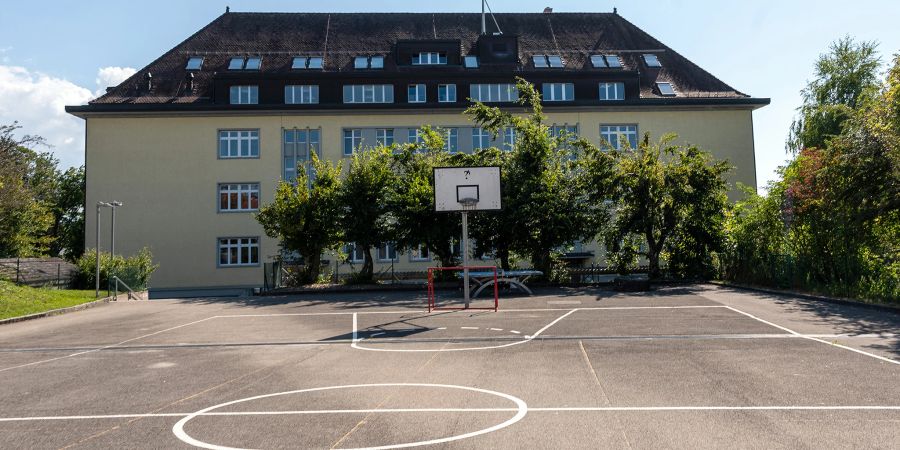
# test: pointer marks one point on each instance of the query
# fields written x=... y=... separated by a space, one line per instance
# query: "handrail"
x=131 y=294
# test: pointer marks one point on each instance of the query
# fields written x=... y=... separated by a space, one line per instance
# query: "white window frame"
x=238 y=246
x=353 y=138
x=415 y=254
x=509 y=138
x=244 y=95
x=238 y=144
x=451 y=140
x=558 y=92
x=299 y=151
x=652 y=60
x=481 y=138
x=429 y=59
x=301 y=94
x=619 y=130
x=237 y=193
x=446 y=93
x=387 y=248
x=671 y=88
x=414 y=136
x=612 y=91
x=494 y=92
x=368 y=93
x=416 y=93
x=194 y=63
x=384 y=137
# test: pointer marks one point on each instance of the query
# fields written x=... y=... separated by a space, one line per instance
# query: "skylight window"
x=470 y=62
x=299 y=62
x=545 y=61
x=315 y=62
x=555 y=61
x=251 y=63
x=194 y=63
x=612 y=61
x=651 y=60
x=368 y=62
x=307 y=62
x=540 y=61
x=597 y=61
x=666 y=89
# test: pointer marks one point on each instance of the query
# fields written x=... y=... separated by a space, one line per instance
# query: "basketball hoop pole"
x=465 y=252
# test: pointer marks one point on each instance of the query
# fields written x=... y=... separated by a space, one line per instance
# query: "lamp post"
x=113 y=205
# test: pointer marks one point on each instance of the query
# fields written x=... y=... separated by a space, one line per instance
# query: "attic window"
x=368 y=62
x=604 y=61
x=545 y=61
x=651 y=60
x=612 y=61
x=470 y=62
x=251 y=63
x=666 y=89
x=194 y=63
x=307 y=62
x=540 y=61
x=429 y=58
x=555 y=61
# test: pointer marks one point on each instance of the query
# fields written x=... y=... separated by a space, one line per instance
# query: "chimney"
x=548 y=10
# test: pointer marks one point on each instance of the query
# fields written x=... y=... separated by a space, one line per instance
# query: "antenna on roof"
x=615 y=10
x=483 y=24
x=227 y=9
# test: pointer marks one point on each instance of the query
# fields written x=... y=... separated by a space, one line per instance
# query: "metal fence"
x=38 y=272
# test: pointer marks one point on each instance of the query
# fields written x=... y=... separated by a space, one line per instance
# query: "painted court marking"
x=520 y=410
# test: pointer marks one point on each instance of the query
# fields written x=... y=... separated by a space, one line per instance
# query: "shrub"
x=134 y=271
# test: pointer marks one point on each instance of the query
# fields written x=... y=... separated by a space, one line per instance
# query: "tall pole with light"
x=113 y=205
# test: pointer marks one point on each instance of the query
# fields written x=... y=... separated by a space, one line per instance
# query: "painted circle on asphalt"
x=521 y=410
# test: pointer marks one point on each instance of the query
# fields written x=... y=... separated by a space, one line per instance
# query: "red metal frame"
x=431 y=299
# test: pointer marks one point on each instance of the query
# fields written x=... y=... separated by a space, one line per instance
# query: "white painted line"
x=514 y=331
x=882 y=358
x=469 y=328
x=495 y=329
x=106 y=346
x=563 y=302
x=355 y=338
x=442 y=328
x=415 y=311
x=462 y=410
x=313 y=314
x=521 y=409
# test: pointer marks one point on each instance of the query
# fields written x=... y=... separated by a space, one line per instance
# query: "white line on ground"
x=514 y=331
x=882 y=358
x=495 y=329
x=105 y=347
x=469 y=328
x=416 y=311
x=467 y=410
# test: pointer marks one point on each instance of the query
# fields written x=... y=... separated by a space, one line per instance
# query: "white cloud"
x=112 y=76
x=37 y=101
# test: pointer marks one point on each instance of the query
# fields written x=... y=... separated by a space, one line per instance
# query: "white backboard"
x=453 y=185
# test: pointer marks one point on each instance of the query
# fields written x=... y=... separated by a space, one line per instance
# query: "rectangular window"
x=355 y=253
x=618 y=135
x=299 y=145
x=244 y=95
x=194 y=63
x=384 y=137
x=612 y=61
x=253 y=63
x=485 y=93
x=540 y=61
x=238 y=143
x=555 y=61
x=236 y=64
x=420 y=254
x=652 y=60
x=238 y=251
x=558 y=92
x=446 y=93
x=480 y=138
x=306 y=62
x=376 y=62
x=416 y=93
x=352 y=141
x=429 y=58
x=509 y=138
x=612 y=91
x=451 y=140
x=414 y=136
x=387 y=253
x=361 y=62
x=239 y=197
x=470 y=62
x=564 y=130
x=666 y=89
x=369 y=93
x=301 y=94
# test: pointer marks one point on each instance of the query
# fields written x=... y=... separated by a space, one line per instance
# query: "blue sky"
x=54 y=53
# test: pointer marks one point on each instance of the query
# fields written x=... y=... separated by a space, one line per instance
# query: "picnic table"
x=515 y=278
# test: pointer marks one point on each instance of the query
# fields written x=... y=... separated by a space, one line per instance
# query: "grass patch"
x=22 y=300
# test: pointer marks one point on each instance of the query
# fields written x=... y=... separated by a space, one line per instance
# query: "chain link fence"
x=38 y=272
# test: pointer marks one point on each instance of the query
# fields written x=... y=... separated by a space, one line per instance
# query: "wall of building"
x=166 y=171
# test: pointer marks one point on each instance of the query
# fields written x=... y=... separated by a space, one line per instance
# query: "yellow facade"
x=166 y=170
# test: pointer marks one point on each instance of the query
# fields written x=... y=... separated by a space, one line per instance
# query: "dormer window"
x=249 y=63
x=605 y=61
x=429 y=59
x=470 y=62
x=194 y=63
x=652 y=60
x=368 y=62
x=547 y=61
x=307 y=62
x=666 y=89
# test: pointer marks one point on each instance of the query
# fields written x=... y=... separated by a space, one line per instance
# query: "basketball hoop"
x=468 y=204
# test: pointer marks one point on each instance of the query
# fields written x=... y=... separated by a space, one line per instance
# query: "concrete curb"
x=56 y=312
x=821 y=298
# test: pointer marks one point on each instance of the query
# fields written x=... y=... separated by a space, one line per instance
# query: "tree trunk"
x=653 y=257
x=542 y=262
x=313 y=266
x=503 y=255
x=365 y=274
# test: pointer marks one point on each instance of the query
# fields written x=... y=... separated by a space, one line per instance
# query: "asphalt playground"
x=696 y=366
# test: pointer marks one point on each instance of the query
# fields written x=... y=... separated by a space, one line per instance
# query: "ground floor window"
x=387 y=252
x=355 y=253
x=420 y=254
x=238 y=251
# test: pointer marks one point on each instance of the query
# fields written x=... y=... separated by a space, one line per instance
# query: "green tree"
x=412 y=199
x=306 y=216
x=68 y=214
x=364 y=195
x=544 y=192
x=845 y=78
x=25 y=191
x=673 y=197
